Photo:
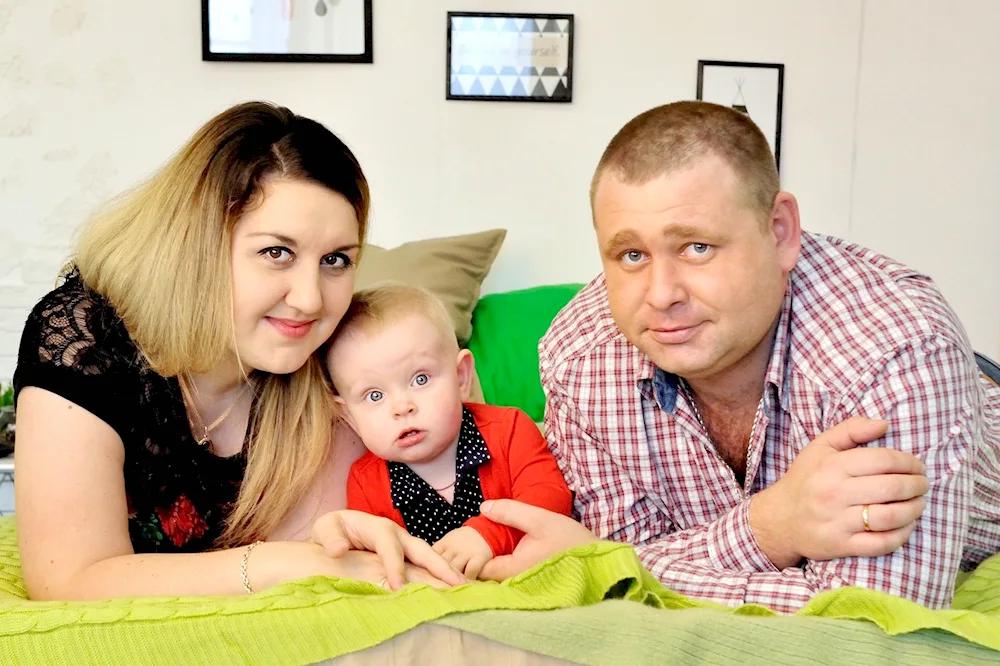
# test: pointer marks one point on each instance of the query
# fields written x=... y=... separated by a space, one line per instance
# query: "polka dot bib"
x=426 y=514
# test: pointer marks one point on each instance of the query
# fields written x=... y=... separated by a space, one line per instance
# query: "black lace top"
x=179 y=493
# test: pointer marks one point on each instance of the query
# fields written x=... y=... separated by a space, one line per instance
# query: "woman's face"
x=293 y=273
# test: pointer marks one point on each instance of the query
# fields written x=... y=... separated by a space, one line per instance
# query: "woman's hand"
x=275 y=562
x=341 y=532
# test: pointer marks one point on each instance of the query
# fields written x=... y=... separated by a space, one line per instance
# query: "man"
x=762 y=412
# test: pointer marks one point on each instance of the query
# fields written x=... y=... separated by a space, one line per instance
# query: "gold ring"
x=864 y=518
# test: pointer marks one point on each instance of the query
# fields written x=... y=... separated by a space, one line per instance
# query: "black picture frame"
x=711 y=68
x=366 y=57
x=523 y=84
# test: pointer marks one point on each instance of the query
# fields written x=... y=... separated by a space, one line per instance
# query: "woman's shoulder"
x=76 y=328
x=75 y=345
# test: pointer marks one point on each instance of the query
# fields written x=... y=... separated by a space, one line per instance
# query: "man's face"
x=695 y=276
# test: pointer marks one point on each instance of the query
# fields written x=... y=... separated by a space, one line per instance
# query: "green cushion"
x=506 y=328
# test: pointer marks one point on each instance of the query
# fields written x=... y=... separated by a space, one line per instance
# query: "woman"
x=171 y=413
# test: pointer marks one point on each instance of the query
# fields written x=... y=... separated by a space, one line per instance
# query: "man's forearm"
x=783 y=591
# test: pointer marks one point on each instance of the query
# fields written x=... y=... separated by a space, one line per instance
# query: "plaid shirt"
x=858 y=334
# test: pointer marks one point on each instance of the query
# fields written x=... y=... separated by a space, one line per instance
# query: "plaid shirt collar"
x=657 y=384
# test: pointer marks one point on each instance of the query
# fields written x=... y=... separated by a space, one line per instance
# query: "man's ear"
x=465 y=366
x=787 y=230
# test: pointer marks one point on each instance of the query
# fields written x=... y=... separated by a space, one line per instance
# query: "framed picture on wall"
x=501 y=57
x=287 y=30
x=755 y=88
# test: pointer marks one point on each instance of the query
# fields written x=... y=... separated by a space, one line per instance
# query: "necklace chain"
x=205 y=439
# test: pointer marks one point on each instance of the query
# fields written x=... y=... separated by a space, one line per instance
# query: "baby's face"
x=402 y=388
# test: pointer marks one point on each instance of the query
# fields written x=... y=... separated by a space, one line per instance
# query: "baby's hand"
x=466 y=550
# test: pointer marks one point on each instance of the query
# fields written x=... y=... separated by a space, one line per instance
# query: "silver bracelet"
x=243 y=566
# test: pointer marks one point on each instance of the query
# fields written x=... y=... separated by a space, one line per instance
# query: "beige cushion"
x=453 y=268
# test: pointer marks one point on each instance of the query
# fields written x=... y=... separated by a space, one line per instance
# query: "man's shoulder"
x=584 y=325
x=852 y=306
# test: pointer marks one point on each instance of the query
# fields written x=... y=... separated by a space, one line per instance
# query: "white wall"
x=889 y=151
x=927 y=176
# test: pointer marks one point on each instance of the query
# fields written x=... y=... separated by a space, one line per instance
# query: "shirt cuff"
x=732 y=545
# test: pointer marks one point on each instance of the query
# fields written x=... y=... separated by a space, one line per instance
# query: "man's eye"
x=633 y=257
x=698 y=250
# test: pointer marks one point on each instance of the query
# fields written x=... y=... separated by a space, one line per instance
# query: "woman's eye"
x=337 y=260
x=277 y=254
x=374 y=396
x=421 y=379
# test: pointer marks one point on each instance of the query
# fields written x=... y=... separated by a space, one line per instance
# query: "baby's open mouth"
x=410 y=437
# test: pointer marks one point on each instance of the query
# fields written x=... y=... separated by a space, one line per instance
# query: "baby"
x=432 y=457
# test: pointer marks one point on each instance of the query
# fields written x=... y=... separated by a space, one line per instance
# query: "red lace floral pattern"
x=181 y=522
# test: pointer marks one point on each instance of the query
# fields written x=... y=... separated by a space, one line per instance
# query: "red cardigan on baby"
x=521 y=467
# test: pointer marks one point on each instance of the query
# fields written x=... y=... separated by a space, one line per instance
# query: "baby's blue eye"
x=421 y=379
x=374 y=396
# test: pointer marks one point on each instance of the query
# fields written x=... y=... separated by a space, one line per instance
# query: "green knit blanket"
x=319 y=618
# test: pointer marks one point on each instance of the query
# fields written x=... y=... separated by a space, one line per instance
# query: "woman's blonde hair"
x=161 y=255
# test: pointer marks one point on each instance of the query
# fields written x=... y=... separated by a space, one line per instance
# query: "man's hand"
x=465 y=550
x=545 y=534
x=816 y=509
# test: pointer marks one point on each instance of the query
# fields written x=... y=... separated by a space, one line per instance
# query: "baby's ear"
x=465 y=365
x=344 y=413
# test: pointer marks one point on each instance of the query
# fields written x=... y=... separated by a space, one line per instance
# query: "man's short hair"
x=672 y=137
